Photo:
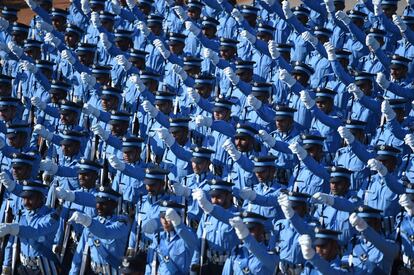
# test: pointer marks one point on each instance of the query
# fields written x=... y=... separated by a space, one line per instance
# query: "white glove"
x=409 y=140
x=199 y=195
x=98 y=130
x=88 y=80
x=32 y=4
x=250 y=37
x=7 y=181
x=4 y=24
x=86 y=8
x=329 y=6
x=210 y=54
x=247 y=194
x=231 y=150
x=81 y=218
x=254 y=102
x=123 y=62
x=386 y=109
x=137 y=82
x=406 y=202
x=15 y=49
x=9 y=228
x=203 y=121
x=269 y=2
x=131 y=4
x=38 y=103
x=4 y=47
x=272 y=47
x=66 y=195
x=382 y=81
x=48 y=166
x=237 y=15
x=306 y=99
x=181 y=13
x=343 y=17
x=310 y=38
x=27 y=66
x=410 y=2
x=324 y=198
x=181 y=190
x=346 y=134
x=376 y=165
x=96 y=21
x=354 y=89
x=161 y=48
x=330 y=50
x=150 y=226
x=178 y=70
x=399 y=23
x=286 y=206
x=88 y=109
x=165 y=136
x=149 y=108
x=143 y=28
x=43 y=26
x=286 y=9
x=286 y=77
x=359 y=223
x=68 y=56
x=104 y=40
x=116 y=7
x=377 y=7
x=191 y=27
x=116 y=163
x=231 y=75
x=372 y=43
x=41 y=131
x=193 y=94
x=51 y=39
x=239 y=227
x=268 y=139
x=305 y=242
x=173 y=217
x=298 y=150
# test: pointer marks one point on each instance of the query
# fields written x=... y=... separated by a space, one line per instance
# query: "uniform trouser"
x=288 y=269
x=405 y=271
x=23 y=270
x=208 y=269
x=67 y=258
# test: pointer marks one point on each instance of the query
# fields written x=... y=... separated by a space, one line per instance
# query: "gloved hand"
x=343 y=17
x=305 y=242
x=236 y=14
x=247 y=194
x=372 y=43
x=161 y=48
x=193 y=94
x=324 y=198
x=172 y=216
x=41 y=131
x=346 y=134
x=149 y=108
x=211 y=55
x=199 y=195
x=143 y=28
x=181 y=190
x=239 y=227
x=98 y=130
x=80 y=218
x=27 y=66
x=48 y=166
x=250 y=37
x=355 y=90
x=382 y=81
x=377 y=7
x=131 y=4
x=88 y=109
x=409 y=140
x=51 y=39
x=95 y=20
x=298 y=150
x=330 y=50
x=86 y=8
x=178 y=70
x=399 y=23
x=104 y=40
x=406 y=202
x=253 y=102
x=329 y=6
x=181 y=13
x=116 y=163
x=359 y=223
x=306 y=99
x=272 y=47
x=268 y=139
x=15 y=49
x=191 y=27
x=134 y=79
x=9 y=228
x=230 y=74
x=39 y=104
x=387 y=110
x=7 y=181
x=286 y=206
x=287 y=78
x=150 y=226
x=88 y=80
x=231 y=149
x=123 y=62
x=43 y=26
x=32 y=4
x=116 y=7
x=286 y=9
x=165 y=136
x=376 y=165
x=4 y=24
x=66 y=195
x=203 y=121
x=65 y=54
x=310 y=38
x=270 y=2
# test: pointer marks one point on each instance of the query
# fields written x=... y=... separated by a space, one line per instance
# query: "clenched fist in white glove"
x=306 y=99
x=286 y=206
x=408 y=204
x=181 y=190
x=399 y=23
x=165 y=136
x=305 y=242
x=48 y=166
x=286 y=77
x=359 y=223
x=172 y=216
x=409 y=140
x=343 y=17
x=346 y=134
x=211 y=55
x=38 y=103
x=330 y=7
x=372 y=43
x=66 y=195
x=330 y=50
x=65 y=54
x=236 y=14
x=193 y=94
x=81 y=218
x=178 y=70
x=324 y=198
x=286 y=9
x=7 y=181
x=382 y=81
x=143 y=28
x=99 y=131
x=161 y=48
x=134 y=79
x=122 y=61
x=131 y=4
x=32 y=4
x=377 y=166
x=203 y=121
x=272 y=47
x=250 y=37
x=231 y=75
x=9 y=228
x=387 y=110
x=355 y=90
x=200 y=196
x=310 y=38
x=116 y=7
x=180 y=12
x=268 y=139
x=116 y=163
x=239 y=227
x=43 y=132
x=377 y=7
x=27 y=66
x=253 y=102
x=105 y=41
x=247 y=194
x=149 y=108
x=15 y=49
x=231 y=150
x=88 y=109
x=86 y=8
x=51 y=39
x=191 y=27
x=298 y=150
x=95 y=19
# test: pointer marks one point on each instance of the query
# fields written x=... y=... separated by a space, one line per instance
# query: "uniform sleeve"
x=316 y=168
x=388 y=247
x=221 y=214
x=115 y=230
x=188 y=235
x=48 y=225
x=270 y=261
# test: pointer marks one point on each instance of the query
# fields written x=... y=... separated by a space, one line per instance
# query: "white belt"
x=408 y=262
x=30 y=262
x=101 y=268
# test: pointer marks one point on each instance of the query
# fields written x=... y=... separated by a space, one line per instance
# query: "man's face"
x=266 y=37
x=390 y=163
x=155 y=29
x=71 y=39
x=366 y=87
x=200 y=166
x=227 y=53
x=108 y=25
x=193 y=71
x=138 y=63
x=7 y=113
x=301 y=209
x=221 y=115
x=68 y=118
x=344 y=62
x=33 y=52
x=266 y=175
x=102 y=79
x=181 y=136
x=123 y=44
x=57 y=96
x=324 y=104
x=177 y=48
x=5 y=90
x=131 y=155
x=164 y=106
x=251 y=19
x=70 y=149
x=33 y=201
x=86 y=58
x=106 y=208
x=204 y=91
x=87 y=179
x=59 y=23
x=18 y=140
x=21 y=172
x=284 y=124
x=245 y=75
x=19 y=37
x=222 y=199
x=328 y=251
x=301 y=78
x=243 y=143
x=194 y=13
x=119 y=129
x=316 y=152
x=109 y=103
x=258 y=232
x=167 y=225
x=339 y=187
x=389 y=10
x=209 y=32
x=398 y=73
x=155 y=188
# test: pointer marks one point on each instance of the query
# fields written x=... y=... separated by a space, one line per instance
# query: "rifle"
x=135 y=125
x=8 y=219
x=65 y=241
x=94 y=149
x=203 y=249
x=139 y=227
x=42 y=147
x=15 y=246
x=154 y=264
x=32 y=117
x=85 y=258
x=148 y=152
x=104 y=180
